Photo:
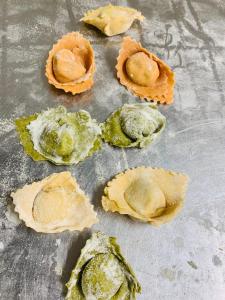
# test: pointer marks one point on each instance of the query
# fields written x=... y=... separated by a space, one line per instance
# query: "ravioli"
x=133 y=125
x=70 y=65
x=112 y=20
x=54 y=204
x=151 y=195
x=143 y=73
x=58 y=136
x=102 y=272
x=25 y=137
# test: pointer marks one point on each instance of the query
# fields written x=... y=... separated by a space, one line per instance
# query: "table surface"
x=181 y=260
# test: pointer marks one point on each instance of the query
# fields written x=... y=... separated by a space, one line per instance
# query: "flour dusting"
x=59 y=257
x=11 y=215
x=1 y=246
x=6 y=125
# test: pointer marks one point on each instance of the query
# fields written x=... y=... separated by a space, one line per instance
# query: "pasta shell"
x=54 y=204
x=161 y=80
x=112 y=20
x=80 y=48
x=133 y=125
x=151 y=195
x=102 y=272
x=59 y=136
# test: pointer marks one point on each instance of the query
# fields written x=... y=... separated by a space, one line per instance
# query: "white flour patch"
x=58 y=270
x=1 y=246
x=21 y=172
x=99 y=172
x=42 y=20
x=58 y=242
x=8 y=136
x=6 y=125
x=171 y=134
x=125 y=159
x=59 y=257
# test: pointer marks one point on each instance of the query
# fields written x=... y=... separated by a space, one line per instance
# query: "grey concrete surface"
x=182 y=260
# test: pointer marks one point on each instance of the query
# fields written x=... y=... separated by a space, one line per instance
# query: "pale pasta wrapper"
x=54 y=204
x=151 y=195
x=112 y=20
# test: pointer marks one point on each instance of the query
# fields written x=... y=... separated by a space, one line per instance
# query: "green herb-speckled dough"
x=133 y=125
x=61 y=137
x=102 y=277
x=25 y=138
x=102 y=273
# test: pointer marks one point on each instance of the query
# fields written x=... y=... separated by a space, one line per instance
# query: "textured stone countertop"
x=182 y=260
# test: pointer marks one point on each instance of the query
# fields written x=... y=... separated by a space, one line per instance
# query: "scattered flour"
x=59 y=257
x=124 y=156
x=1 y=246
x=8 y=136
x=58 y=242
x=6 y=125
x=58 y=270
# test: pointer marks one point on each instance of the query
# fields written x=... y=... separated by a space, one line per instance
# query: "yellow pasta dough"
x=151 y=195
x=112 y=20
x=54 y=204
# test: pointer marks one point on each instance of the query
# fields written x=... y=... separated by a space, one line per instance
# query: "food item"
x=61 y=137
x=54 y=204
x=151 y=195
x=67 y=67
x=112 y=20
x=102 y=273
x=25 y=137
x=143 y=73
x=70 y=65
x=133 y=125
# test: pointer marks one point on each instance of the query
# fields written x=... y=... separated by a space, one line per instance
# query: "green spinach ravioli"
x=102 y=273
x=133 y=125
x=58 y=136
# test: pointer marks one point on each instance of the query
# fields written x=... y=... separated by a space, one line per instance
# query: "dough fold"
x=150 y=195
x=143 y=73
x=133 y=125
x=71 y=65
x=102 y=272
x=54 y=204
x=112 y=20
